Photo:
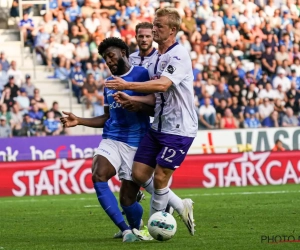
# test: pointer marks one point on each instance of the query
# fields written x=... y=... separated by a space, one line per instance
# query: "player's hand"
x=127 y=102
x=116 y=83
x=70 y=120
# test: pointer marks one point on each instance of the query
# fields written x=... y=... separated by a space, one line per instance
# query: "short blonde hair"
x=174 y=19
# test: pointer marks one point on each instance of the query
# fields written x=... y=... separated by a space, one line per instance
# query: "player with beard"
x=144 y=38
x=122 y=132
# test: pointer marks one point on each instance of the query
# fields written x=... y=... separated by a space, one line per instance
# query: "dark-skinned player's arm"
x=71 y=120
x=143 y=104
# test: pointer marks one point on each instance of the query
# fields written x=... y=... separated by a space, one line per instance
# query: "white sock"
x=174 y=200
x=148 y=185
x=159 y=200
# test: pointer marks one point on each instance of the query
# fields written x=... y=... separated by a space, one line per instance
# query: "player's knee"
x=138 y=177
x=160 y=180
x=99 y=177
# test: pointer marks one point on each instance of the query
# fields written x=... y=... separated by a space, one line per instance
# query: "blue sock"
x=109 y=204
x=134 y=215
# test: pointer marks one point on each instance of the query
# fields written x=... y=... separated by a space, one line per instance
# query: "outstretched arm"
x=96 y=122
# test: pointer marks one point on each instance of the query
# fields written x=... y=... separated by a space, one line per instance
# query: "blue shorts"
x=166 y=150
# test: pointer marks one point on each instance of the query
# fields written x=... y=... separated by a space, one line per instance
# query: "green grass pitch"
x=227 y=218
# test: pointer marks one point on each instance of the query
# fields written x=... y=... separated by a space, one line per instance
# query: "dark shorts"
x=166 y=150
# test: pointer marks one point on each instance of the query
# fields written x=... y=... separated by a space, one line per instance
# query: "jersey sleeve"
x=178 y=67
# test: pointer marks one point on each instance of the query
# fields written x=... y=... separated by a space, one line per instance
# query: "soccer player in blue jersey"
x=122 y=132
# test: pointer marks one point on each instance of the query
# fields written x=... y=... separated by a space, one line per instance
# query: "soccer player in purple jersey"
x=144 y=39
x=175 y=124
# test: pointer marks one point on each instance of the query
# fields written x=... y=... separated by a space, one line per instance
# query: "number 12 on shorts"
x=170 y=152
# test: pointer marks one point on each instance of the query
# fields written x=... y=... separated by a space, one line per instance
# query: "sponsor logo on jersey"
x=114 y=105
x=170 y=69
x=162 y=66
x=176 y=57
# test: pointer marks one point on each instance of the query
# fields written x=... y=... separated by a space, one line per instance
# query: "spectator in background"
x=51 y=125
x=41 y=40
x=3 y=79
x=38 y=100
x=98 y=32
x=23 y=101
x=268 y=92
x=83 y=52
x=46 y=23
x=265 y=109
x=237 y=110
x=74 y=36
x=5 y=112
x=4 y=63
x=89 y=91
x=55 y=110
x=36 y=114
x=220 y=110
x=252 y=121
x=113 y=32
x=27 y=128
x=228 y=121
x=77 y=77
x=294 y=78
x=221 y=93
x=289 y=120
x=278 y=146
x=207 y=115
x=188 y=25
x=17 y=74
x=7 y=98
x=56 y=34
x=61 y=23
x=66 y=52
x=91 y=23
x=261 y=84
x=28 y=86
x=271 y=121
x=292 y=103
x=105 y=20
x=282 y=80
x=250 y=93
x=26 y=26
x=250 y=108
x=5 y=130
x=16 y=118
x=72 y=12
x=235 y=80
x=14 y=89
x=281 y=55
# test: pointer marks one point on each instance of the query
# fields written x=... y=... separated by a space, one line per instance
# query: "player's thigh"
x=128 y=192
x=145 y=158
x=174 y=148
x=107 y=161
x=127 y=154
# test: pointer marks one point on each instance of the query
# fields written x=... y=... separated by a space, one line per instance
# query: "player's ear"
x=123 y=52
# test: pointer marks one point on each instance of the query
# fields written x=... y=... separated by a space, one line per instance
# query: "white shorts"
x=120 y=155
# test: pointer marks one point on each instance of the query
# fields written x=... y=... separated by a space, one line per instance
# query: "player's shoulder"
x=134 y=54
x=139 y=69
x=178 y=52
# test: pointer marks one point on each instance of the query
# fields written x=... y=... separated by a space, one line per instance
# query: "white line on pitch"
x=92 y=206
x=188 y=195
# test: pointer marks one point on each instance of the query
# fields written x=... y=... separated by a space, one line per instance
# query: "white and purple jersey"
x=174 y=110
x=137 y=60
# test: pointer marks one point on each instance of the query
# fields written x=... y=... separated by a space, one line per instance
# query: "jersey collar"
x=150 y=54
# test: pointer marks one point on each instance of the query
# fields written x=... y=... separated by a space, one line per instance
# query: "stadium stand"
x=245 y=56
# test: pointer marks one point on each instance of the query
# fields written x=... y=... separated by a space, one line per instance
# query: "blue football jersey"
x=123 y=125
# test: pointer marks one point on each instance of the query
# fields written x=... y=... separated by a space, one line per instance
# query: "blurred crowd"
x=245 y=53
x=23 y=112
